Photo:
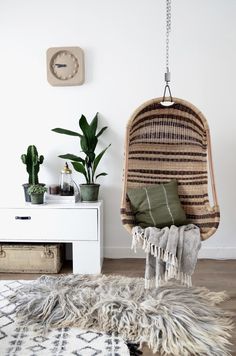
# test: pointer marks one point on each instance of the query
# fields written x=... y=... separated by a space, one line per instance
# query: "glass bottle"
x=66 y=181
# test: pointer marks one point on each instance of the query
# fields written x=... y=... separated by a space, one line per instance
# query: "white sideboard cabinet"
x=80 y=224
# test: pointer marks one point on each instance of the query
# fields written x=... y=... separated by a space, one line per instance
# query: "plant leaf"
x=101 y=174
x=101 y=131
x=84 y=144
x=98 y=159
x=72 y=157
x=80 y=168
x=66 y=132
x=93 y=143
x=94 y=125
x=83 y=123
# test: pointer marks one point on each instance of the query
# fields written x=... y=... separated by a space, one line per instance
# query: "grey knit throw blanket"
x=170 y=252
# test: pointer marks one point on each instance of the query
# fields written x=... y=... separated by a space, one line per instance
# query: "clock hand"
x=59 y=65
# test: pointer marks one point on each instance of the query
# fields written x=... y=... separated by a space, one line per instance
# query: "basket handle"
x=211 y=169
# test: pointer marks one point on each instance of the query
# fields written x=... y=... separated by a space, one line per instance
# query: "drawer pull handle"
x=23 y=217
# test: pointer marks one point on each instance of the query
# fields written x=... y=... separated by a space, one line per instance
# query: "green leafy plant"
x=88 y=164
x=32 y=161
x=36 y=189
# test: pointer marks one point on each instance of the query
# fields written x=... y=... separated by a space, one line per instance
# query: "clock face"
x=65 y=66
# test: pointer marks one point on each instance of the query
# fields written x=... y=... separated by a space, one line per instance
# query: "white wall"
x=124 y=45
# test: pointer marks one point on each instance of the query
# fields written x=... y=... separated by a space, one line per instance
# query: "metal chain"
x=168 y=29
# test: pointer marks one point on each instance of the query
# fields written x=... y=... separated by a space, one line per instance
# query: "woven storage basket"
x=171 y=142
x=31 y=258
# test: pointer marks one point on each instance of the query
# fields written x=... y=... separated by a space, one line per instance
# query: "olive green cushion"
x=157 y=205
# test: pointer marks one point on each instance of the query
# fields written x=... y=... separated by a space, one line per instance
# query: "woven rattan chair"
x=171 y=142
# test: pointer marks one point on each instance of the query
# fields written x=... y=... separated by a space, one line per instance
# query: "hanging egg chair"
x=171 y=142
x=169 y=139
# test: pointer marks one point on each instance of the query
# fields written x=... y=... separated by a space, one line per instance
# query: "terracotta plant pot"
x=89 y=192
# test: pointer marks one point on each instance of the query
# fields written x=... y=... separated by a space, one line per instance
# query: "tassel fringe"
x=173 y=268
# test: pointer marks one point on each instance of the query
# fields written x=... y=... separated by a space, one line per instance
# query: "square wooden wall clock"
x=65 y=66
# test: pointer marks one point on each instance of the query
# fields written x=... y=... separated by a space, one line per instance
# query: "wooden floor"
x=216 y=275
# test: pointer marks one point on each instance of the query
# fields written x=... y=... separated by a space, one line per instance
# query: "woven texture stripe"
x=171 y=142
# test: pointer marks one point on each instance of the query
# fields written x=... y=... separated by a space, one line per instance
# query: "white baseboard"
x=122 y=252
x=218 y=253
x=212 y=253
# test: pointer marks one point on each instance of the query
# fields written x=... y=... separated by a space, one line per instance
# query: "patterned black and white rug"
x=19 y=340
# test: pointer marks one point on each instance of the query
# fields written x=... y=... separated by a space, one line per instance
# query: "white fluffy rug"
x=172 y=319
x=17 y=339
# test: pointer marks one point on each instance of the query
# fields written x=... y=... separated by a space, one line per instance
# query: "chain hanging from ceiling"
x=168 y=29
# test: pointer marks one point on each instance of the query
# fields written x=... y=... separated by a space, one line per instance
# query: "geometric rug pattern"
x=19 y=340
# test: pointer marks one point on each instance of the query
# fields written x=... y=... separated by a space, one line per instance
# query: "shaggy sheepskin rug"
x=171 y=319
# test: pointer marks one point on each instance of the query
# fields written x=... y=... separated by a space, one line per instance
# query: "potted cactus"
x=36 y=192
x=32 y=161
x=88 y=163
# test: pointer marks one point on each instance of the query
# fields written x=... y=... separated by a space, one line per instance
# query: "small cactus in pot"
x=32 y=160
x=36 y=192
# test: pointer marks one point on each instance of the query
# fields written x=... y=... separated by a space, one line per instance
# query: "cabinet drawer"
x=49 y=224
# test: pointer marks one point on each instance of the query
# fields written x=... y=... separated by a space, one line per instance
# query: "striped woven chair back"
x=171 y=142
